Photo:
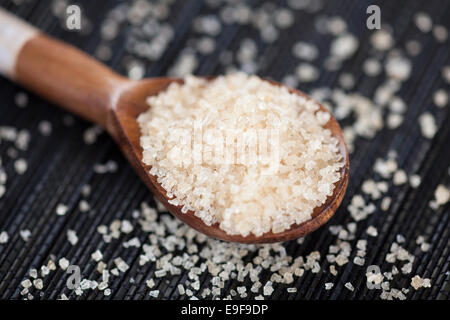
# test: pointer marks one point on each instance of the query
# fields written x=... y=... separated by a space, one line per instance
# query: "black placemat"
x=61 y=164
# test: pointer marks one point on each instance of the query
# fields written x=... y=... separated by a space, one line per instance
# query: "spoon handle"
x=57 y=71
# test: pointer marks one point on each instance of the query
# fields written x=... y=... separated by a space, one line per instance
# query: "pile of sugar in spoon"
x=172 y=249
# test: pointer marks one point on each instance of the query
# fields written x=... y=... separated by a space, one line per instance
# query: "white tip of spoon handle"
x=14 y=33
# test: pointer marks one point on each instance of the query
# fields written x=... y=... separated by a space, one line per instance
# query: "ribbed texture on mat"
x=59 y=165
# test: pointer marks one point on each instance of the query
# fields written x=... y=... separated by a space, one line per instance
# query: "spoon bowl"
x=126 y=130
x=71 y=79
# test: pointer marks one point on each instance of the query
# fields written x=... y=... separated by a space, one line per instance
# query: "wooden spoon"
x=68 y=77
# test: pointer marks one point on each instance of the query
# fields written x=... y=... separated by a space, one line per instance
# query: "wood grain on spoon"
x=70 y=78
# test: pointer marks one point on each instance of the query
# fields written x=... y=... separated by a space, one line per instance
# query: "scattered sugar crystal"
x=420 y=240
x=400 y=239
x=3 y=237
x=21 y=99
x=90 y=135
x=102 y=285
x=428 y=125
x=413 y=47
x=23 y=139
x=102 y=229
x=25 y=234
x=283 y=18
x=206 y=45
x=349 y=286
x=133 y=242
x=38 y=284
x=45 y=270
x=208 y=24
x=97 y=255
x=407 y=268
x=394 y=120
x=346 y=80
x=344 y=46
x=106 y=275
x=305 y=51
x=307 y=72
x=26 y=283
x=359 y=261
x=63 y=263
x=101 y=267
x=372 y=67
x=361 y=244
x=417 y=282
x=121 y=265
x=181 y=289
x=400 y=177
x=398 y=68
x=186 y=64
x=392 y=294
x=397 y=105
x=341 y=260
x=45 y=128
x=372 y=231
x=85 y=284
x=382 y=40
x=154 y=293
x=72 y=237
x=160 y=273
x=20 y=165
x=135 y=70
x=109 y=166
x=442 y=194
x=370 y=187
x=291 y=290
x=361 y=253
x=33 y=273
x=84 y=206
x=150 y=283
x=126 y=226
x=385 y=203
x=440 y=98
x=61 y=209
x=440 y=33
x=335 y=230
x=268 y=289
x=269 y=33
x=329 y=285
x=86 y=190
x=336 y=25
x=425 y=247
x=415 y=180
x=333 y=270
x=423 y=22
x=446 y=73
x=93 y=285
